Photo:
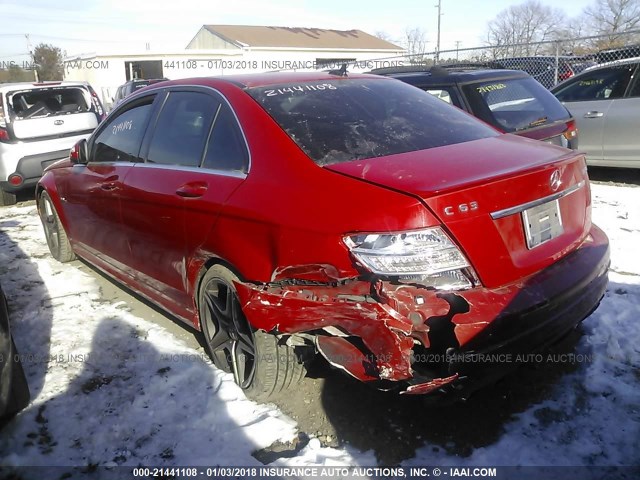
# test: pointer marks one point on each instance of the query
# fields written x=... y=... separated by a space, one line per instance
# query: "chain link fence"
x=549 y=62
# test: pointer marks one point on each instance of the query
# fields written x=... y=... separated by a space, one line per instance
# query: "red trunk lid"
x=479 y=191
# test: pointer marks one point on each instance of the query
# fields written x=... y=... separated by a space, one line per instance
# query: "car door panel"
x=621 y=128
x=590 y=117
x=160 y=192
x=93 y=191
x=92 y=206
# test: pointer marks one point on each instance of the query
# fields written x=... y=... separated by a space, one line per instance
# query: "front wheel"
x=57 y=239
x=260 y=365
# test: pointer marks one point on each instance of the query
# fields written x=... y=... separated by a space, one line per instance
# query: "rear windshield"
x=515 y=104
x=46 y=102
x=338 y=121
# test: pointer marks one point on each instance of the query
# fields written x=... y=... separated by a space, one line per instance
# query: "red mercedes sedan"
x=353 y=216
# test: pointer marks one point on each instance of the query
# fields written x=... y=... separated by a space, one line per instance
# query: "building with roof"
x=226 y=49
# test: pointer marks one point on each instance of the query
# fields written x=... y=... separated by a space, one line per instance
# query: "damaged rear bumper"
x=427 y=340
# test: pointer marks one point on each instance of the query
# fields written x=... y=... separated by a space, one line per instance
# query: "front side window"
x=336 y=121
x=602 y=84
x=514 y=104
x=120 y=139
x=182 y=129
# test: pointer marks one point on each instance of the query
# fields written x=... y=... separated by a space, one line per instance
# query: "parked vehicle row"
x=353 y=216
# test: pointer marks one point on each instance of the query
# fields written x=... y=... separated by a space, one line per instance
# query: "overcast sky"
x=126 y=25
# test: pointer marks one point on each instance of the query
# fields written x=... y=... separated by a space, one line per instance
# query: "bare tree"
x=611 y=18
x=571 y=39
x=514 y=30
x=416 y=44
x=382 y=35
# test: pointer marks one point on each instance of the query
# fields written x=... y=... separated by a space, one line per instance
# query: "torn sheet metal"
x=382 y=321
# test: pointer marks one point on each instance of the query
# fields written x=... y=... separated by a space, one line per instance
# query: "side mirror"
x=78 y=154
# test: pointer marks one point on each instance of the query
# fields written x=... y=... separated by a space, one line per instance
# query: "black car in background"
x=131 y=86
x=14 y=390
x=509 y=100
x=543 y=69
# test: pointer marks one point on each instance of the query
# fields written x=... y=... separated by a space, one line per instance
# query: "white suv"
x=39 y=123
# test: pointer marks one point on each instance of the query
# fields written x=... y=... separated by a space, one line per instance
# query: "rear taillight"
x=4 y=135
x=15 y=179
x=568 y=73
x=96 y=104
x=572 y=130
x=74 y=153
x=3 y=122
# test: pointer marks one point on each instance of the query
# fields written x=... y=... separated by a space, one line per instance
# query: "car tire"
x=261 y=366
x=7 y=198
x=57 y=238
x=19 y=395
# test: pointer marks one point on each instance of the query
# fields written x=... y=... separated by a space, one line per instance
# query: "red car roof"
x=268 y=78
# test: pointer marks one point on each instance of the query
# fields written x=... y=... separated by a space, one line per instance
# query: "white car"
x=39 y=123
x=605 y=102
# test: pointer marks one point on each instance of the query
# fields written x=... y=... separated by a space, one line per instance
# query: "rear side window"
x=119 y=140
x=182 y=129
x=601 y=84
x=46 y=102
x=442 y=94
x=336 y=121
x=514 y=104
x=635 y=89
x=226 y=150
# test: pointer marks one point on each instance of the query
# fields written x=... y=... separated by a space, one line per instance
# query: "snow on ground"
x=109 y=388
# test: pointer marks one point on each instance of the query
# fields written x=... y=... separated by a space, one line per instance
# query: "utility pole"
x=439 y=7
x=458 y=42
x=33 y=60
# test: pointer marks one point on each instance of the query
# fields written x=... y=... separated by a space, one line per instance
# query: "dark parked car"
x=620 y=53
x=542 y=68
x=132 y=86
x=14 y=390
x=355 y=216
x=605 y=101
x=509 y=100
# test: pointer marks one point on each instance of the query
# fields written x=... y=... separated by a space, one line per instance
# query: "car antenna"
x=341 y=72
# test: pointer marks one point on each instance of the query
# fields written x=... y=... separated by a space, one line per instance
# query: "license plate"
x=542 y=223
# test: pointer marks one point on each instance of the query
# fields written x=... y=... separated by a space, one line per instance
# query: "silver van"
x=39 y=123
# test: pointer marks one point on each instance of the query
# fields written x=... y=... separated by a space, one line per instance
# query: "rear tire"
x=57 y=239
x=7 y=198
x=261 y=366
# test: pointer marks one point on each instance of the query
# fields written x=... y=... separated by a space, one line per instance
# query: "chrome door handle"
x=593 y=114
x=192 y=189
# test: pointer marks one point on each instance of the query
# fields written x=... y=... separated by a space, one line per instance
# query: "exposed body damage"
x=369 y=328
x=377 y=330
